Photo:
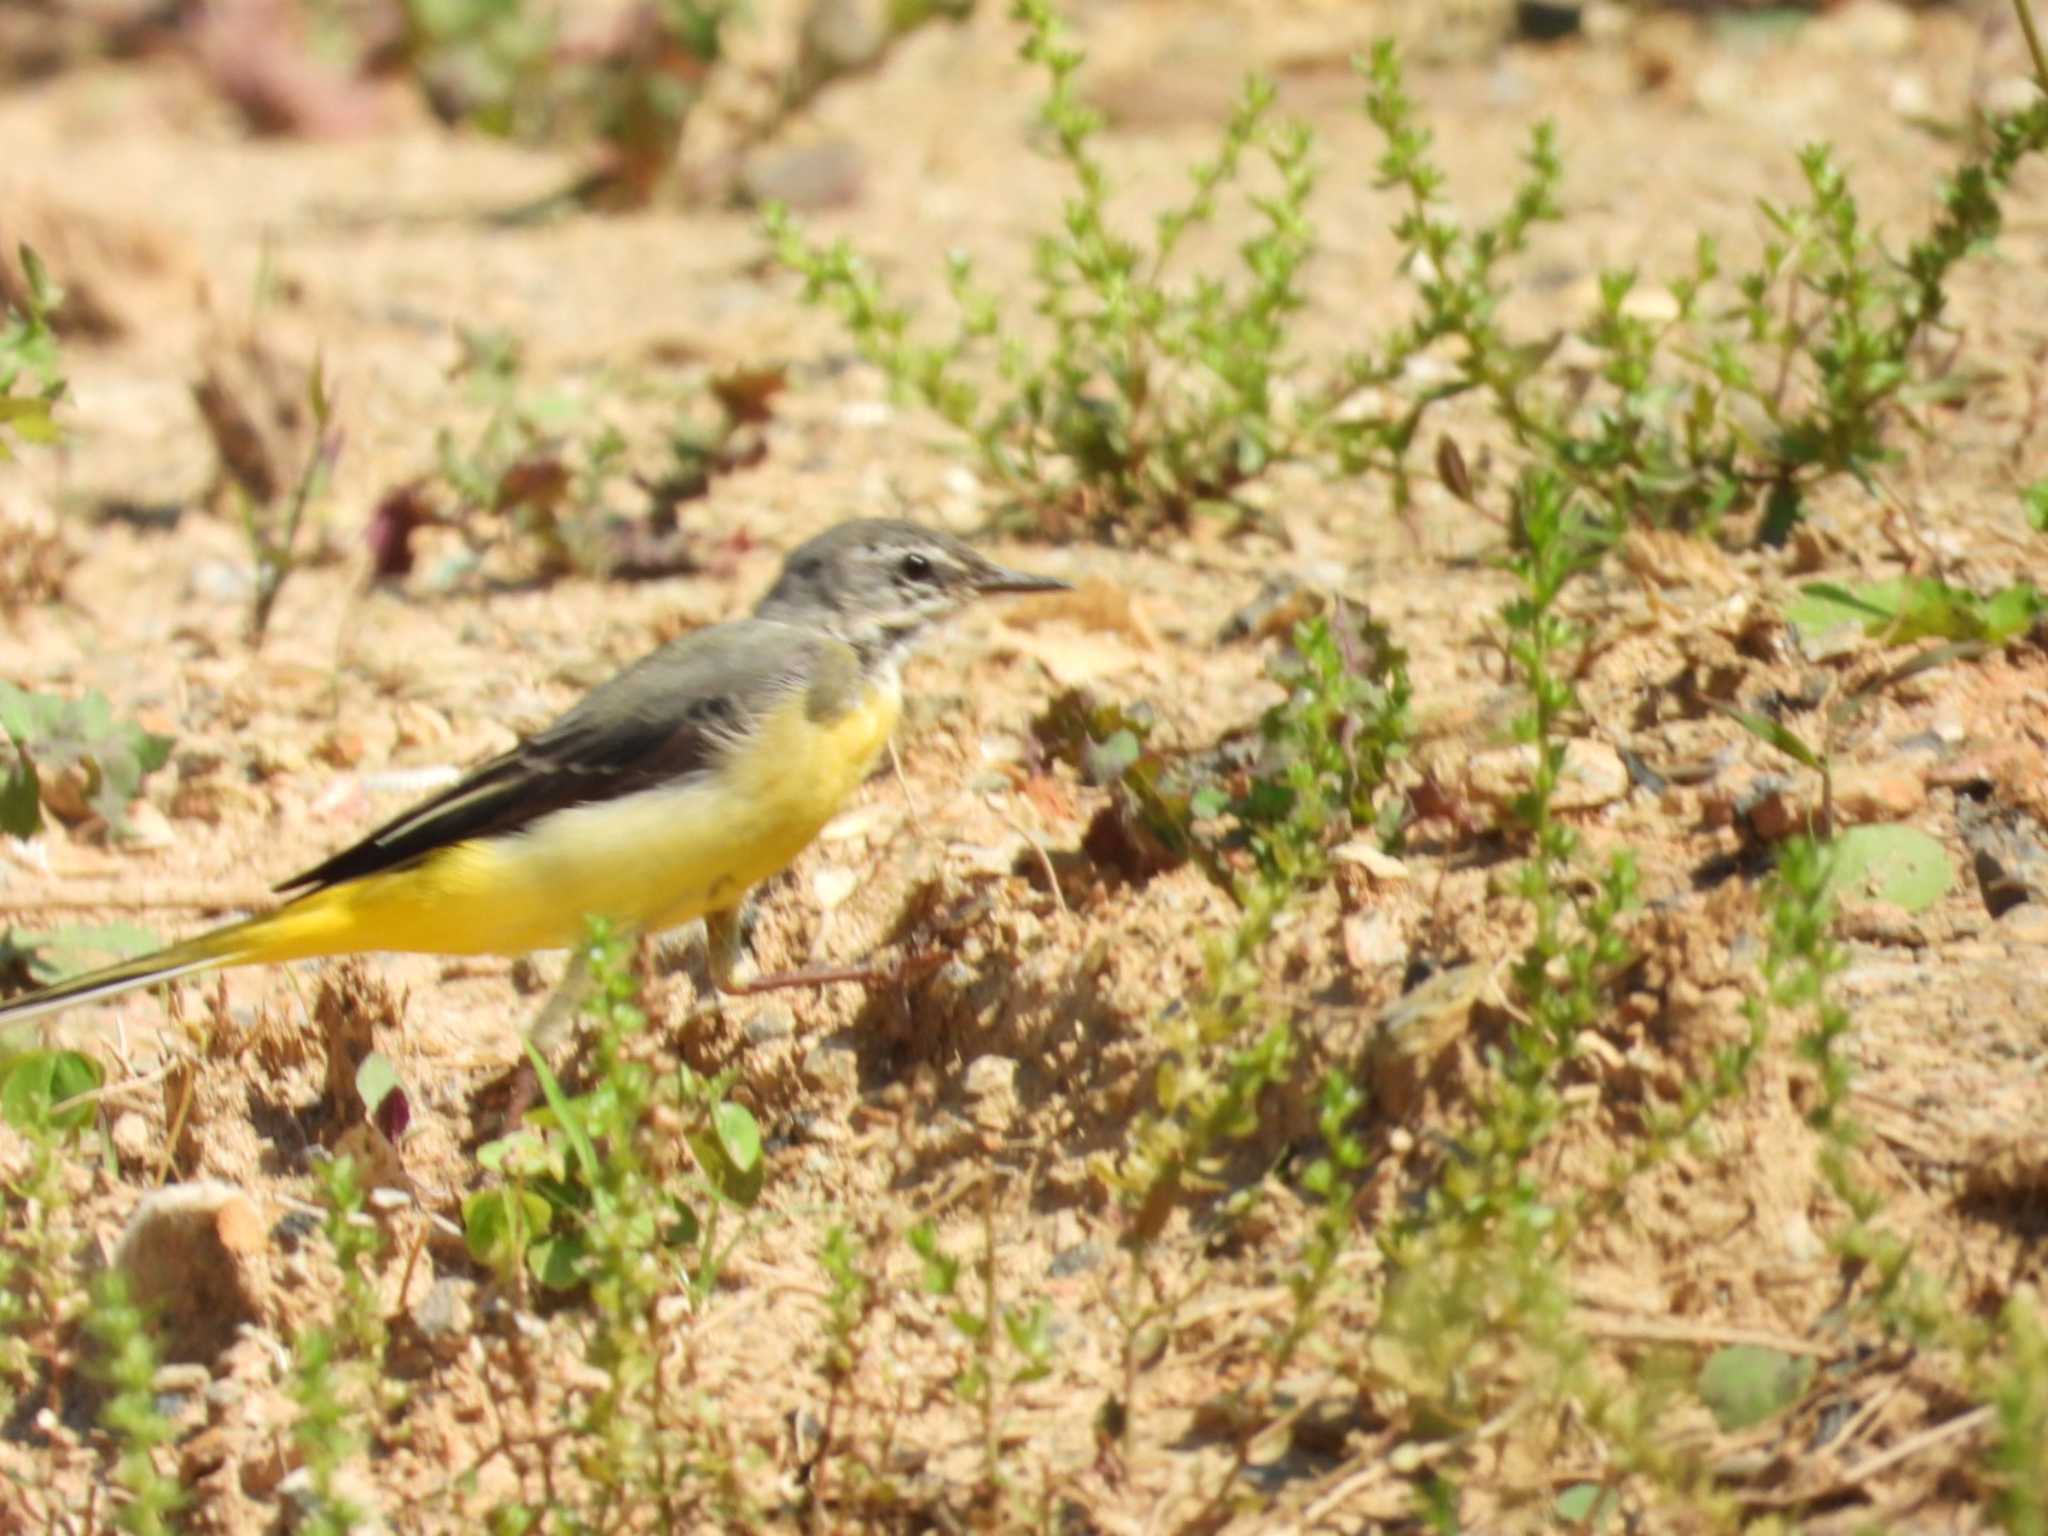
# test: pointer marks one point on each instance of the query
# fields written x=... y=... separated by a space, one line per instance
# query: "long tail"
x=234 y=944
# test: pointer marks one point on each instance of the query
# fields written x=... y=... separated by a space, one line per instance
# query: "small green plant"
x=128 y=1365
x=2019 y=1400
x=560 y=1194
x=337 y=1370
x=1455 y=267
x=590 y=1204
x=1151 y=396
x=529 y=465
x=273 y=532
x=47 y=1098
x=850 y=1303
x=30 y=381
x=1007 y=1346
x=1320 y=771
x=1262 y=822
x=1751 y=391
x=517 y=68
x=1330 y=747
x=544 y=468
x=1475 y=1277
x=76 y=743
x=1909 y=609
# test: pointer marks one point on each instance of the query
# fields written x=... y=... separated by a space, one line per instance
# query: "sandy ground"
x=982 y=1094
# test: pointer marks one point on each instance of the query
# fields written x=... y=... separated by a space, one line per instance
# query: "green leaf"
x=1585 y=1504
x=2011 y=613
x=39 y=1081
x=1903 y=866
x=730 y=1155
x=1823 y=607
x=565 y=1113
x=21 y=801
x=941 y=1269
x=499 y=1224
x=557 y=1262
x=43 y=293
x=1773 y=733
x=54 y=733
x=376 y=1079
x=2034 y=501
x=77 y=948
x=1745 y=1384
x=1906 y=610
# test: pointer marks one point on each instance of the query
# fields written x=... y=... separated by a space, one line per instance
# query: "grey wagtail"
x=664 y=796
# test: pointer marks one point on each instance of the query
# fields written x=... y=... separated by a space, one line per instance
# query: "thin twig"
x=1854 y=1477
x=2025 y=11
x=1650 y=1330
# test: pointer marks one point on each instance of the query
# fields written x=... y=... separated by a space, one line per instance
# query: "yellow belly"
x=647 y=861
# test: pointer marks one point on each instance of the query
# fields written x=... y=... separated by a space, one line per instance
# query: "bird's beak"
x=996 y=578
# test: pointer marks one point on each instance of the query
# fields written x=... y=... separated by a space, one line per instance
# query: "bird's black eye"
x=916 y=567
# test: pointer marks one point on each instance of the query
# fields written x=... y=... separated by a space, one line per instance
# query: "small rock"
x=2026 y=923
x=135 y=1144
x=444 y=1315
x=1368 y=856
x=1910 y=98
x=204 y=1454
x=1593 y=775
x=1878 y=28
x=196 y=1255
x=303 y=1501
x=807 y=177
x=770 y=1025
x=221 y=581
x=147 y=827
x=990 y=1085
x=182 y=1380
x=1077 y=1260
x=2008 y=94
x=1878 y=792
x=833 y=1066
x=1801 y=1242
x=1775 y=813
x=1371 y=941
x=832 y=885
x=1657 y=305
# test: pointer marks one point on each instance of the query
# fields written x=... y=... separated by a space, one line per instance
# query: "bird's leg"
x=723 y=945
x=559 y=1011
x=550 y=1029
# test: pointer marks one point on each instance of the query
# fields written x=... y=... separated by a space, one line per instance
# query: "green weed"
x=1474 y=1277
x=531 y=465
x=1321 y=769
x=591 y=1203
x=541 y=477
x=1147 y=398
x=46 y=1098
x=1909 y=609
x=508 y=67
x=1269 y=805
x=31 y=383
x=273 y=532
x=1142 y=397
x=74 y=748
x=128 y=1364
x=337 y=1370
x=1755 y=389
x=1007 y=1345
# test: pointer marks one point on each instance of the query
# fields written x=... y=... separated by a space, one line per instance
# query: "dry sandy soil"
x=986 y=1093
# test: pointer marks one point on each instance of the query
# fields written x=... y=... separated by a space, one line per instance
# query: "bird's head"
x=880 y=583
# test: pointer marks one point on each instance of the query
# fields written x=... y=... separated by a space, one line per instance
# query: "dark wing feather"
x=669 y=716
